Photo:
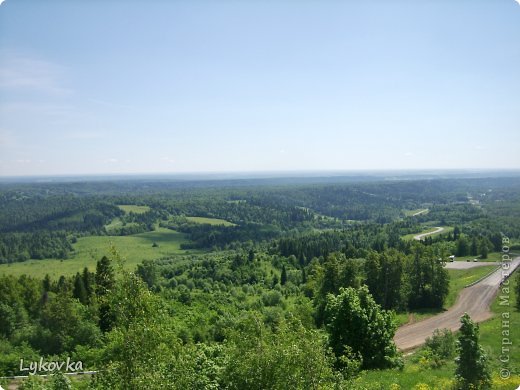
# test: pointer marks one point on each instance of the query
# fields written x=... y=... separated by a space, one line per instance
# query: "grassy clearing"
x=88 y=250
x=442 y=378
x=415 y=316
x=117 y=224
x=458 y=280
x=491 y=332
x=210 y=221
x=411 y=213
x=132 y=208
x=492 y=257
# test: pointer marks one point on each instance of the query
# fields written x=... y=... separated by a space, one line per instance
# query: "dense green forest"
x=279 y=284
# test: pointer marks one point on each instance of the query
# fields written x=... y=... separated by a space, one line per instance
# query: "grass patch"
x=132 y=208
x=117 y=224
x=492 y=257
x=411 y=213
x=459 y=278
x=415 y=316
x=210 y=221
x=88 y=250
x=491 y=332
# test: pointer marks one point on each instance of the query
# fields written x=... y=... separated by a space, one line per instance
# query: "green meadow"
x=132 y=208
x=117 y=223
x=411 y=213
x=87 y=250
x=210 y=221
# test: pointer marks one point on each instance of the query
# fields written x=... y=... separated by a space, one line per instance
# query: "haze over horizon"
x=182 y=87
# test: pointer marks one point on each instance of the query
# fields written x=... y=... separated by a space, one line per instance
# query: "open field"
x=117 y=223
x=413 y=213
x=88 y=250
x=132 y=208
x=210 y=221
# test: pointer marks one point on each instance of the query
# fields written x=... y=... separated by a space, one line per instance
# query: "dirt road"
x=474 y=300
x=422 y=235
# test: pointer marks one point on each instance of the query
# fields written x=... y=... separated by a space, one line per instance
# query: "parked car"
x=475 y=260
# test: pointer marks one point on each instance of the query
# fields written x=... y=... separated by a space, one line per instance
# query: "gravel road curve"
x=475 y=300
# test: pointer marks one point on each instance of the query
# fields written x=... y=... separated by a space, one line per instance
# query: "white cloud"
x=168 y=160
x=518 y=1
x=29 y=74
x=1 y=1
x=111 y=160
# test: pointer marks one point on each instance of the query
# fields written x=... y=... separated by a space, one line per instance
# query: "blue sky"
x=210 y=86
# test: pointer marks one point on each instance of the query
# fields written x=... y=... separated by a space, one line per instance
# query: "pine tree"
x=472 y=371
x=474 y=247
x=88 y=282
x=62 y=285
x=104 y=277
x=283 y=277
x=105 y=281
x=79 y=291
x=483 y=249
x=456 y=233
x=46 y=283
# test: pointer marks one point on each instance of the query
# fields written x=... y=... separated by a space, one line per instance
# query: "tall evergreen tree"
x=472 y=371
x=88 y=281
x=456 y=233
x=429 y=280
x=462 y=246
x=46 y=283
x=283 y=276
x=79 y=291
x=62 y=285
x=105 y=278
x=473 y=251
x=385 y=278
x=483 y=248
x=105 y=281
